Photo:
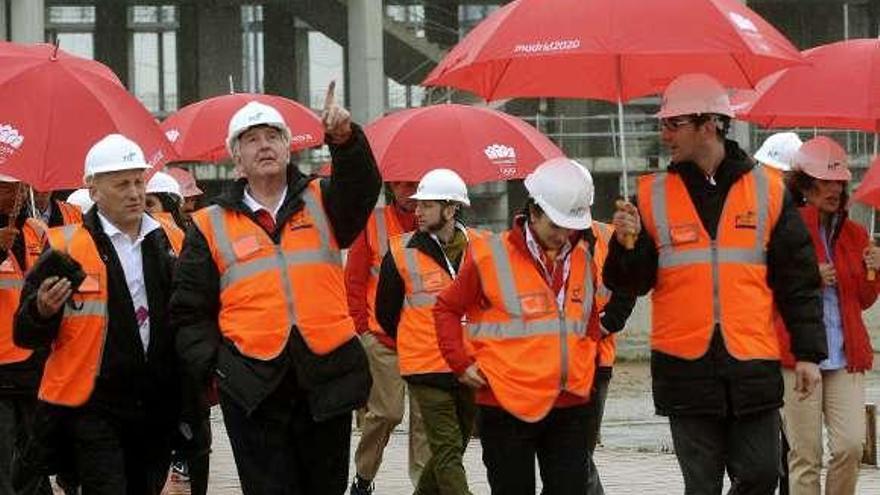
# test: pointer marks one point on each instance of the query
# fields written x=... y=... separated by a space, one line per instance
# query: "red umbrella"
x=613 y=50
x=840 y=89
x=480 y=144
x=56 y=106
x=198 y=131
x=868 y=191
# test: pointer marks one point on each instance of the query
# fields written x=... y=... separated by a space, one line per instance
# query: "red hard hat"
x=822 y=158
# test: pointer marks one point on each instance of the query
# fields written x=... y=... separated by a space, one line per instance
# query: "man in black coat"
x=723 y=409
x=303 y=396
x=109 y=388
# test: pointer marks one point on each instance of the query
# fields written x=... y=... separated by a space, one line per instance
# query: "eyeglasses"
x=675 y=123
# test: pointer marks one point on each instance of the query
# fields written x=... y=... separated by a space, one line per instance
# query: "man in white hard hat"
x=259 y=302
x=110 y=382
x=21 y=242
x=719 y=243
x=778 y=150
x=416 y=268
x=528 y=297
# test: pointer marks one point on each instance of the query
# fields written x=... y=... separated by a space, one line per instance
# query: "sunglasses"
x=675 y=123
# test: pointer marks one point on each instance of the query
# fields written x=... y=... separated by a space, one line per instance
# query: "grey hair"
x=236 y=143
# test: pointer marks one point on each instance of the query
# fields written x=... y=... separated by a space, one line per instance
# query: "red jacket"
x=854 y=291
x=452 y=304
x=357 y=271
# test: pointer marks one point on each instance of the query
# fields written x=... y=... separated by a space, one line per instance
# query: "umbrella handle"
x=629 y=239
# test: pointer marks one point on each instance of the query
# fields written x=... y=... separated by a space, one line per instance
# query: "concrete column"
x=187 y=55
x=28 y=21
x=220 y=45
x=365 y=59
x=4 y=17
x=279 y=48
x=111 y=37
x=301 y=60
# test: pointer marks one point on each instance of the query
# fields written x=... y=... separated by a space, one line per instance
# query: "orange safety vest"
x=11 y=284
x=382 y=226
x=174 y=233
x=417 y=348
x=70 y=214
x=703 y=282
x=607 y=345
x=267 y=288
x=530 y=349
x=75 y=359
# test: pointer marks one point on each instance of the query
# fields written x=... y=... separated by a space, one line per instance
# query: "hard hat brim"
x=438 y=197
x=565 y=221
x=118 y=167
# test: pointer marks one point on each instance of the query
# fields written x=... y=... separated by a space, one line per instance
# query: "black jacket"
x=129 y=384
x=333 y=384
x=22 y=378
x=717 y=383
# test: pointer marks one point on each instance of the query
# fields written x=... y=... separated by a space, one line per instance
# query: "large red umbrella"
x=198 y=131
x=480 y=144
x=613 y=50
x=56 y=106
x=839 y=88
x=868 y=191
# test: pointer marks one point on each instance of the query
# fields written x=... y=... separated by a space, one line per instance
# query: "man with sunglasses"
x=719 y=242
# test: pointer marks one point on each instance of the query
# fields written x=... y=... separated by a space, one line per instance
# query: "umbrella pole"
x=33 y=203
x=873 y=210
x=621 y=134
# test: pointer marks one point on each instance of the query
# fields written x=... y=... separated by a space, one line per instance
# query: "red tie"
x=264 y=218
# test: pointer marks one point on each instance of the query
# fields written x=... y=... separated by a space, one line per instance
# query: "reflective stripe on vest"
x=12 y=276
x=77 y=352
x=70 y=214
x=257 y=282
x=518 y=316
x=726 y=274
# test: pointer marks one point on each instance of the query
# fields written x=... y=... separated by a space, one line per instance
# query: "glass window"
x=71 y=15
x=252 y=48
x=79 y=44
x=153 y=56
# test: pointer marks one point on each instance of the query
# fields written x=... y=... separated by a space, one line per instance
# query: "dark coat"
x=717 y=383
x=130 y=384
x=333 y=384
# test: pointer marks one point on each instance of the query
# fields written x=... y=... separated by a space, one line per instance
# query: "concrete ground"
x=635 y=456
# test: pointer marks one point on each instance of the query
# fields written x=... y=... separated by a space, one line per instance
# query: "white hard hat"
x=695 y=94
x=161 y=182
x=114 y=153
x=442 y=184
x=254 y=114
x=7 y=178
x=564 y=190
x=81 y=198
x=822 y=158
x=778 y=150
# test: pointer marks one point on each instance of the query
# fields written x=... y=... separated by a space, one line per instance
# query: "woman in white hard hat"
x=164 y=197
x=846 y=256
x=528 y=298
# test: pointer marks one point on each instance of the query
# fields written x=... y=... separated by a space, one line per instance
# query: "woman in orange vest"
x=528 y=296
x=846 y=255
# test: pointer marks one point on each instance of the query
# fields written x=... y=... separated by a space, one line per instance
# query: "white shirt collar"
x=148 y=224
x=252 y=203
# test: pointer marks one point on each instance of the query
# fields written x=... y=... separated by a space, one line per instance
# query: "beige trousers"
x=838 y=401
x=385 y=409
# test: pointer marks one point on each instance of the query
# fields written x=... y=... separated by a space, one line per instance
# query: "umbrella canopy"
x=839 y=88
x=198 y=131
x=868 y=191
x=56 y=106
x=479 y=144
x=611 y=49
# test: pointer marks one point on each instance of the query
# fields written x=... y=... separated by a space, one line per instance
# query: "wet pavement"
x=635 y=455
